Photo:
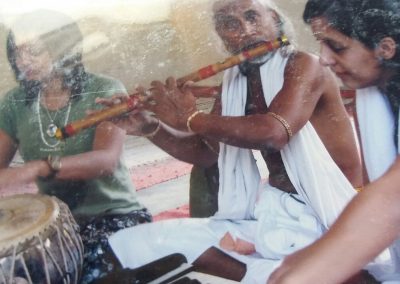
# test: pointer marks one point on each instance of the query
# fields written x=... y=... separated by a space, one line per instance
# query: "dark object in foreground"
x=165 y=270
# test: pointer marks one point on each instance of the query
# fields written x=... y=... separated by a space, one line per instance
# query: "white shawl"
x=376 y=123
x=310 y=168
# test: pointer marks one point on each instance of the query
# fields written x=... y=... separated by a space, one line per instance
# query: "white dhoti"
x=285 y=224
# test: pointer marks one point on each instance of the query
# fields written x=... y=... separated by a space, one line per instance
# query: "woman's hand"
x=25 y=174
x=39 y=168
x=138 y=122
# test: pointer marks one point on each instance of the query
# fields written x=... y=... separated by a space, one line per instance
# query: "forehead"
x=320 y=25
x=322 y=29
x=325 y=32
x=27 y=39
x=234 y=7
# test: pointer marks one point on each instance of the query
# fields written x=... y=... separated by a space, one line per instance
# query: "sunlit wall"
x=141 y=40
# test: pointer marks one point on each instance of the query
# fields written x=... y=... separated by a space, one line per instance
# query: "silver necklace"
x=52 y=127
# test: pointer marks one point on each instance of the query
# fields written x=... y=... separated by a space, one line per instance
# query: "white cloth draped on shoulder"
x=311 y=169
x=376 y=123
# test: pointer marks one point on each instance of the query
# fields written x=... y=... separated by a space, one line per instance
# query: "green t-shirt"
x=26 y=124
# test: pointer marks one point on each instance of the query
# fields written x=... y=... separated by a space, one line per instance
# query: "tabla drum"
x=39 y=241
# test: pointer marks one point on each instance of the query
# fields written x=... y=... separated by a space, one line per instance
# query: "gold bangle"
x=284 y=123
x=359 y=189
x=54 y=163
x=193 y=115
x=154 y=132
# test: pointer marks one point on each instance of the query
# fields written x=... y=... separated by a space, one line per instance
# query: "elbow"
x=108 y=171
x=206 y=161
x=274 y=144
x=278 y=146
x=110 y=165
x=270 y=138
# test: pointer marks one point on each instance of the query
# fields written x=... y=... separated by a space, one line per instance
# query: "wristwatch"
x=54 y=164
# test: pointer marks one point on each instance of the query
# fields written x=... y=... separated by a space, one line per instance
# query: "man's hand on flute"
x=138 y=122
x=172 y=105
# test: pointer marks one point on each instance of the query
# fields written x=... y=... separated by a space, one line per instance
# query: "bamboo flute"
x=201 y=74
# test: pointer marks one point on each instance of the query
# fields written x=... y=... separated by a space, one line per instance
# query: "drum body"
x=39 y=241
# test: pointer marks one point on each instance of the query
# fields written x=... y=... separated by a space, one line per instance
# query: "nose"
x=326 y=57
x=22 y=59
x=248 y=29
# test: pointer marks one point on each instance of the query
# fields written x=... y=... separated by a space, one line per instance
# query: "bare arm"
x=369 y=224
x=18 y=175
x=101 y=161
x=301 y=90
x=193 y=149
x=189 y=148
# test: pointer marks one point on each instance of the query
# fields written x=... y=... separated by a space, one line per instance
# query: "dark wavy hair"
x=69 y=63
x=368 y=21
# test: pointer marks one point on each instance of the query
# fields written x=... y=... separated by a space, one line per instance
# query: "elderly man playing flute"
x=284 y=104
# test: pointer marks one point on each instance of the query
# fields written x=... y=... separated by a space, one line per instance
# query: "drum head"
x=25 y=216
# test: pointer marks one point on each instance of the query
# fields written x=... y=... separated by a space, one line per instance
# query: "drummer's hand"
x=30 y=171
x=171 y=104
x=138 y=122
x=27 y=173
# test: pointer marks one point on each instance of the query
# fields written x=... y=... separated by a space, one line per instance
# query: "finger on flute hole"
x=104 y=101
x=139 y=89
x=151 y=102
x=171 y=82
x=116 y=101
x=187 y=87
x=126 y=114
x=91 y=112
x=111 y=101
x=157 y=85
x=188 y=84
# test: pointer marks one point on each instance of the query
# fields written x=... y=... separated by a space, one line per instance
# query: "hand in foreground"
x=138 y=122
x=171 y=104
x=298 y=269
x=286 y=274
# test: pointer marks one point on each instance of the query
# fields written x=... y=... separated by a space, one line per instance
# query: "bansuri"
x=201 y=74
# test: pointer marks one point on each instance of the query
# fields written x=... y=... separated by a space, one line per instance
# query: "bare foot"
x=240 y=246
x=227 y=242
x=244 y=247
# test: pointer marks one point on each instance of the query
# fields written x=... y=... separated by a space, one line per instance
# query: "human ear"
x=275 y=16
x=386 y=48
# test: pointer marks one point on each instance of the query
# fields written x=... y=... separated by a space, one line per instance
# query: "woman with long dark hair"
x=86 y=171
x=360 y=42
